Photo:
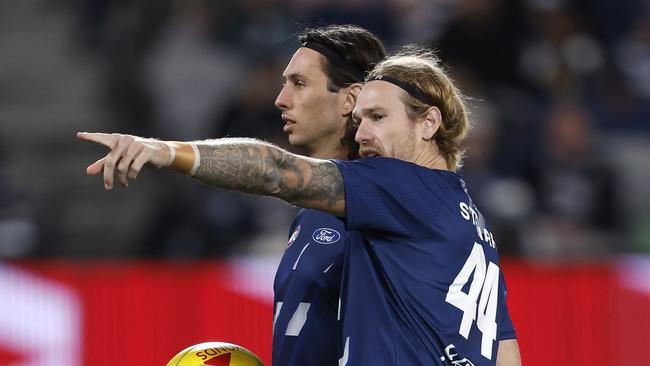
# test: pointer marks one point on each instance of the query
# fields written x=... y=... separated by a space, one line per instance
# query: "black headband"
x=412 y=89
x=336 y=59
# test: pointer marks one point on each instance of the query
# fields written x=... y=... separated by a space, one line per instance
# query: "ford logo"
x=326 y=236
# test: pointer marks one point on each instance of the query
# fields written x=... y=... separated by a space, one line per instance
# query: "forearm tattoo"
x=252 y=166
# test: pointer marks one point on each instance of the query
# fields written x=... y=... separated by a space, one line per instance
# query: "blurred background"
x=558 y=159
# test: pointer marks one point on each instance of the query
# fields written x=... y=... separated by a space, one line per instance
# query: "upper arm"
x=311 y=183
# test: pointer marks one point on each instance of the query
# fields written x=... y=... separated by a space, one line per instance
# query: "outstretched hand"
x=127 y=156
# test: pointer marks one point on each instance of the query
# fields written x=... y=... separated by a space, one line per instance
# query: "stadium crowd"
x=560 y=99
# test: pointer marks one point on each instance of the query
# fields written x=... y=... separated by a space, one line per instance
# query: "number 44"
x=483 y=308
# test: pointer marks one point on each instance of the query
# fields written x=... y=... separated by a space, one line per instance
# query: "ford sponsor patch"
x=326 y=236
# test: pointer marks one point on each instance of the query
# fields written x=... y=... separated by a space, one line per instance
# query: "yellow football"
x=215 y=353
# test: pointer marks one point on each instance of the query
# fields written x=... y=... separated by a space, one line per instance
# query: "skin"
x=508 y=353
x=256 y=167
x=385 y=129
x=314 y=117
x=314 y=120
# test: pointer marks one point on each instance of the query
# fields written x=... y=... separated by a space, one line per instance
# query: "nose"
x=363 y=134
x=283 y=101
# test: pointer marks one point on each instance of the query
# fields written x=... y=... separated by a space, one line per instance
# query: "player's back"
x=307 y=286
x=421 y=285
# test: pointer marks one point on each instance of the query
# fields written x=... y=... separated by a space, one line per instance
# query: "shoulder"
x=373 y=162
x=379 y=169
x=316 y=215
x=309 y=218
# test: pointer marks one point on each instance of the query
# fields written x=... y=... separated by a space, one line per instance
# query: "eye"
x=377 y=117
x=300 y=84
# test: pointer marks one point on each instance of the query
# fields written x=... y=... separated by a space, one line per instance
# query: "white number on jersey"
x=483 y=309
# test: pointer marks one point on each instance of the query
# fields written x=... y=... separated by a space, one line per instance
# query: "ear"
x=350 y=93
x=431 y=123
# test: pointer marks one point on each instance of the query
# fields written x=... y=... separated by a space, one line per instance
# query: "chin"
x=297 y=140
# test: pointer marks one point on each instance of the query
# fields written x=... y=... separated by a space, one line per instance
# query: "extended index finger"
x=107 y=139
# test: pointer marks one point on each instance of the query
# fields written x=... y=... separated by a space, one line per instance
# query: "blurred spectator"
x=189 y=75
x=621 y=98
x=506 y=199
x=252 y=111
x=484 y=38
x=253 y=114
x=420 y=21
x=577 y=192
x=560 y=55
x=202 y=69
x=121 y=33
x=18 y=230
x=255 y=26
x=616 y=107
x=199 y=221
x=610 y=20
x=373 y=15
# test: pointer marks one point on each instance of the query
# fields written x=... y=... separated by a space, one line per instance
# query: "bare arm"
x=256 y=167
x=508 y=353
x=244 y=165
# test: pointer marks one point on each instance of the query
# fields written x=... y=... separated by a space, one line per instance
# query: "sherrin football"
x=215 y=353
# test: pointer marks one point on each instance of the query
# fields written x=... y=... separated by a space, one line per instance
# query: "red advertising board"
x=142 y=313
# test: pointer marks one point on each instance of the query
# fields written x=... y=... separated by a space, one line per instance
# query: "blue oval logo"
x=326 y=235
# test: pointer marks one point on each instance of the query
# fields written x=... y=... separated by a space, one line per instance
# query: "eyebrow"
x=293 y=76
x=367 y=111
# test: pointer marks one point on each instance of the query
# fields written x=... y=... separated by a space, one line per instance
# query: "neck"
x=329 y=152
x=329 y=146
x=432 y=159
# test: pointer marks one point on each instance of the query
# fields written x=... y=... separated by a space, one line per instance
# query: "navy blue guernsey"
x=421 y=284
x=307 y=287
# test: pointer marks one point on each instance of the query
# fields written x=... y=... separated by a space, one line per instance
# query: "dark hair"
x=356 y=45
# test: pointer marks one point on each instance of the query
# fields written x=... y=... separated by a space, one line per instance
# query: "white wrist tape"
x=172 y=154
x=197 y=159
x=184 y=157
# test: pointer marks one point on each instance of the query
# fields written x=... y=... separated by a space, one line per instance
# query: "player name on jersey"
x=468 y=213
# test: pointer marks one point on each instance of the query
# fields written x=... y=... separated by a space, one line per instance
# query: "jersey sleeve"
x=373 y=197
x=506 y=328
